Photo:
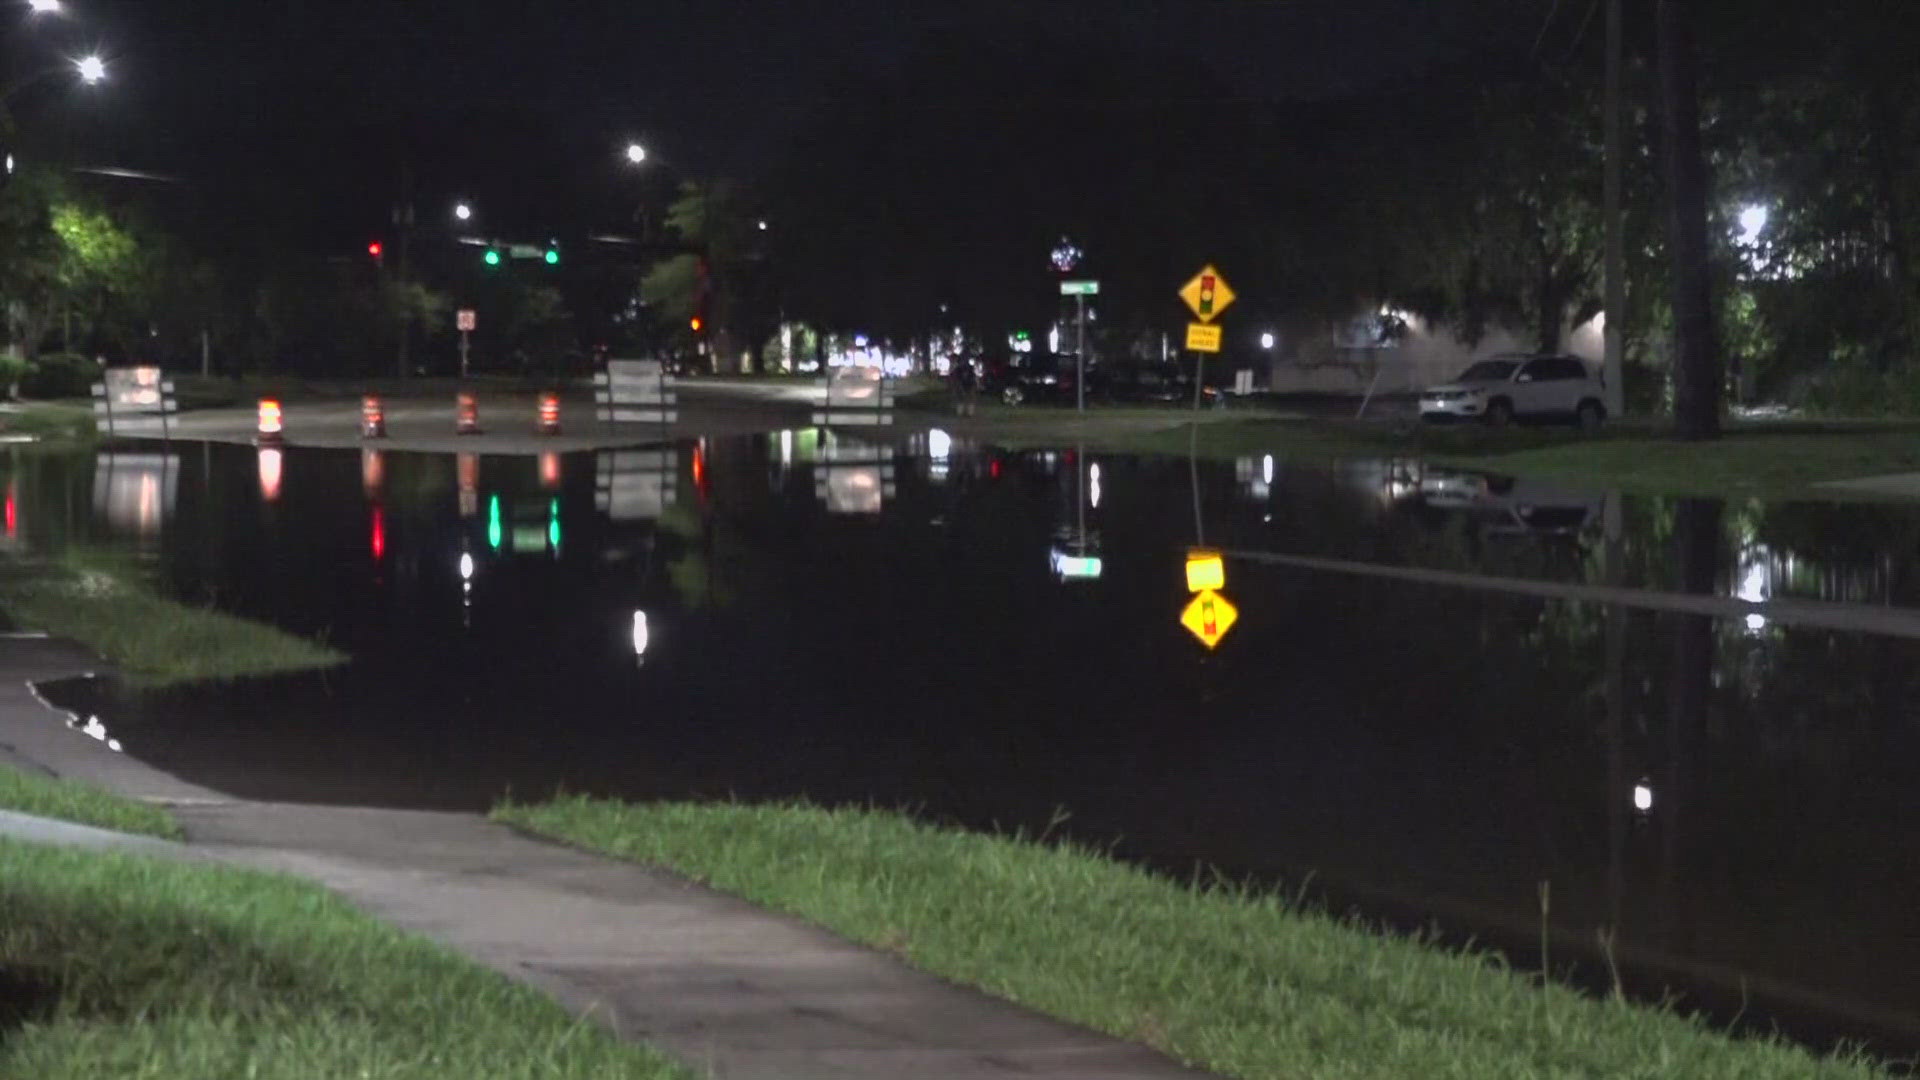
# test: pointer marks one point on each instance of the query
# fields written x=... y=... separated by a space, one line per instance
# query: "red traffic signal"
x=695 y=324
x=375 y=250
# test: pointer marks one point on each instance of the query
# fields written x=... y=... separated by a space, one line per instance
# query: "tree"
x=721 y=275
x=1696 y=370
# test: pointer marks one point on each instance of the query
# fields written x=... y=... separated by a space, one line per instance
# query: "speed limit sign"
x=464 y=319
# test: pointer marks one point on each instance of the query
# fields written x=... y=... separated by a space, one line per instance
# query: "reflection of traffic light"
x=492 y=257
x=694 y=324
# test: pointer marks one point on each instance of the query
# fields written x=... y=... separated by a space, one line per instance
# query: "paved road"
x=740 y=993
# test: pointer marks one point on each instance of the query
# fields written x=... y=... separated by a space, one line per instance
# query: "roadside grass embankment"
x=131 y=967
x=70 y=800
x=1242 y=983
x=111 y=606
x=1771 y=458
x=52 y=421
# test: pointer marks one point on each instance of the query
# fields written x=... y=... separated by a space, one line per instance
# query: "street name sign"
x=1079 y=288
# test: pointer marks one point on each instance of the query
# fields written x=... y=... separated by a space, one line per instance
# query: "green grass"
x=1770 y=458
x=119 y=966
x=50 y=420
x=108 y=606
x=70 y=800
x=1241 y=983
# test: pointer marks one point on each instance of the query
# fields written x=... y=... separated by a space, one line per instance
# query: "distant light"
x=92 y=69
x=640 y=634
x=492 y=257
x=553 y=525
x=553 y=257
x=636 y=153
x=463 y=211
x=376 y=249
x=1752 y=220
x=1756 y=623
x=763 y=225
x=1071 y=567
x=466 y=566
x=1643 y=797
x=859 y=341
x=493 y=523
x=9 y=164
x=1266 y=469
x=1093 y=491
x=1266 y=340
x=44 y=7
x=939 y=443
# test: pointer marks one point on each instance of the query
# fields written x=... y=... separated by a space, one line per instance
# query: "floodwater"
x=993 y=638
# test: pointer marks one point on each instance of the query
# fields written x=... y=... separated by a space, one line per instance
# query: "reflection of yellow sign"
x=1207 y=294
x=1209 y=616
x=1205 y=570
x=1203 y=338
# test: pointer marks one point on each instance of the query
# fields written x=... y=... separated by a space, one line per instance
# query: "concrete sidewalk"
x=732 y=989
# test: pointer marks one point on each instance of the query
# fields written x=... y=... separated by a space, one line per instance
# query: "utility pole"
x=1696 y=360
x=1080 y=379
x=403 y=224
x=1613 y=330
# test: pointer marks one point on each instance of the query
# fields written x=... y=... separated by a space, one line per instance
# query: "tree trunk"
x=1696 y=361
x=1550 y=310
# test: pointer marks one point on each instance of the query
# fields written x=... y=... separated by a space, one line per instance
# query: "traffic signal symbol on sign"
x=1208 y=616
x=1207 y=294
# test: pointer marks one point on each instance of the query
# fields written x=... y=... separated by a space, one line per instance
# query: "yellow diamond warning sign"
x=1209 y=616
x=1207 y=294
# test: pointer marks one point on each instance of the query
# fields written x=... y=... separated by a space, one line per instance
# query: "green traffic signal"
x=492 y=257
x=553 y=257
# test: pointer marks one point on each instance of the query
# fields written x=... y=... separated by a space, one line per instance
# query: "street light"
x=636 y=153
x=1266 y=339
x=92 y=69
x=44 y=7
x=463 y=211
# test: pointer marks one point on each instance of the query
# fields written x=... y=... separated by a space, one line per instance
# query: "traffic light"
x=492 y=257
x=694 y=324
x=377 y=250
x=553 y=256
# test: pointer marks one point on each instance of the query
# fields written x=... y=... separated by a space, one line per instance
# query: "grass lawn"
x=70 y=800
x=1243 y=984
x=1767 y=458
x=49 y=419
x=121 y=966
x=109 y=606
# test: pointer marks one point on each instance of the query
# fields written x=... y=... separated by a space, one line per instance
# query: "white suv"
x=1520 y=386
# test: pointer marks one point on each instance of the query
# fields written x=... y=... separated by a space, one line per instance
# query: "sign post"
x=1206 y=295
x=1080 y=290
x=465 y=322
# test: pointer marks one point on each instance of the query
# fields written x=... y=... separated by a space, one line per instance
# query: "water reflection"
x=635 y=485
x=852 y=476
x=1710 y=795
x=134 y=492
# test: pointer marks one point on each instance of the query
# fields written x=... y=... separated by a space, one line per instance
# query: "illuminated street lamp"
x=1266 y=339
x=92 y=69
x=636 y=153
x=463 y=211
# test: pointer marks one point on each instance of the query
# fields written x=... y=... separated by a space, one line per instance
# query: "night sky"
x=313 y=105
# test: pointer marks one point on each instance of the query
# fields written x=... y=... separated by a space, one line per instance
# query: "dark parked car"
x=1020 y=378
x=1142 y=384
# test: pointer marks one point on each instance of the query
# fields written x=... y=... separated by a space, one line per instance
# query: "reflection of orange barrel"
x=466 y=415
x=269 y=427
x=549 y=414
x=373 y=418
